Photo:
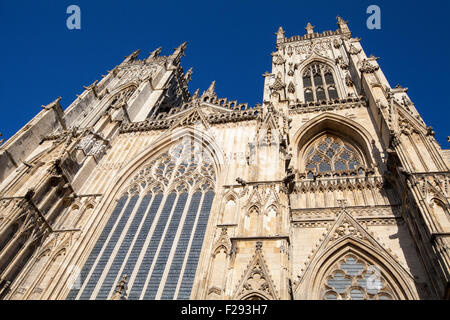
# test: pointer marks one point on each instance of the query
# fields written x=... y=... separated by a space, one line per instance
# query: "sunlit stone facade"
x=332 y=188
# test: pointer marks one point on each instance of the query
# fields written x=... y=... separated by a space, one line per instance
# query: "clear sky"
x=228 y=41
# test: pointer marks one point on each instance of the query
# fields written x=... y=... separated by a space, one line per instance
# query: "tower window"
x=321 y=94
x=318 y=83
x=307 y=82
x=332 y=93
x=309 y=96
x=331 y=154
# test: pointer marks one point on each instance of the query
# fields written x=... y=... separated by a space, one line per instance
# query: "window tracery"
x=121 y=98
x=352 y=278
x=331 y=154
x=318 y=83
x=166 y=205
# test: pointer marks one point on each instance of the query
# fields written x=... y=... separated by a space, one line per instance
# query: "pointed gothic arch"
x=348 y=237
x=315 y=58
x=229 y=208
x=256 y=281
x=337 y=125
x=389 y=268
x=184 y=206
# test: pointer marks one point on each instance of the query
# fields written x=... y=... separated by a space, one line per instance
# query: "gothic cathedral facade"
x=332 y=188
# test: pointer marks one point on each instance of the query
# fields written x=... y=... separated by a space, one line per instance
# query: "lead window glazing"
x=318 y=83
x=156 y=230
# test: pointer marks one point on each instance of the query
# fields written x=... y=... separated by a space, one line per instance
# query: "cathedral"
x=331 y=188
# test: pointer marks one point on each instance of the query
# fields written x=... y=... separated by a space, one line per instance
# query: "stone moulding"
x=310 y=36
x=338 y=104
x=149 y=125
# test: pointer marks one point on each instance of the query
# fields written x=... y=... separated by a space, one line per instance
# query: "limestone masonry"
x=332 y=188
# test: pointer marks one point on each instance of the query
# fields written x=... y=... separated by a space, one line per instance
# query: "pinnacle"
x=182 y=46
x=341 y=20
x=212 y=87
x=280 y=33
x=196 y=94
x=156 y=52
x=309 y=28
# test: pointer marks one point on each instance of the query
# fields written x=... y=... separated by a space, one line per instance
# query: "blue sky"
x=228 y=41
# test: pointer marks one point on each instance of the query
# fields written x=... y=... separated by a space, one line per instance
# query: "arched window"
x=331 y=154
x=318 y=83
x=352 y=278
x=122 y=97
x=156 y=228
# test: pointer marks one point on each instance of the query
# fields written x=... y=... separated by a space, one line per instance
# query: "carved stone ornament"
x=353 y=50
x=291 y=88
x=348 y=80
x=337 y=43
x=278 y=84
x=256 y=281
x=368 y=67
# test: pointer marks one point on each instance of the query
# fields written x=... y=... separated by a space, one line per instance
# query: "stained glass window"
x=352 y=278
x=330 y=153
x=318 y=83
x=155 y=233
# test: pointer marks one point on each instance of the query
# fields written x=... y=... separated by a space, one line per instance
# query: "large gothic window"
x=352 y=278
x=318 y=83
x=155 y=233
x=331 y=154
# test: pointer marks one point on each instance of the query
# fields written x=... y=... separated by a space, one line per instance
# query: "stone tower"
x=332 y=188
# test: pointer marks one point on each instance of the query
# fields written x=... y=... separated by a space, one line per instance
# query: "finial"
x=309 y=28
x=1 y=140
x=181 y=48
x=121 y=290
x=341 y=21
x=212 y=87
x=178 y=53
x=155 y=53
x=131 y=57
x=134 y=55
x=196 y=94
x=280 y=33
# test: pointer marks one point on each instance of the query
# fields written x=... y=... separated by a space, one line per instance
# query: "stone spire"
x=280 y=33
x=211 y=92
x=212 y=87
x=309 y=28
x=121 y=290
